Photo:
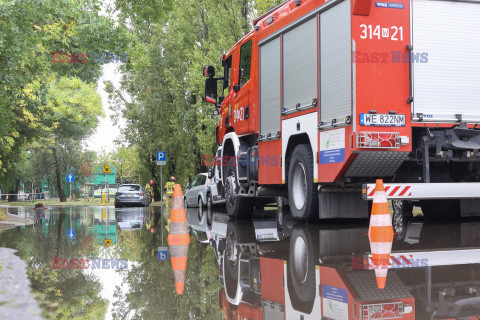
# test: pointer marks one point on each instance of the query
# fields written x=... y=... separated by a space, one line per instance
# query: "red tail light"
x=117 y=194
x=389 y=310
x=140 y=194
x=378 y=140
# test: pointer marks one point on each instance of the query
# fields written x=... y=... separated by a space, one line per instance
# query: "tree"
x=161 y=97
x=31 y=30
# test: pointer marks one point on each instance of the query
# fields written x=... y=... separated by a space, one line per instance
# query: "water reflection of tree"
x=64 y=294
x=152 y=292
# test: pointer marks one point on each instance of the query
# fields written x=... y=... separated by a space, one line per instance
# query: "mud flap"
x=334 y=205
x=470 y=207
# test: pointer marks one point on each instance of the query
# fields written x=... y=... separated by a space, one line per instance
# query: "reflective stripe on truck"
x=424 y=191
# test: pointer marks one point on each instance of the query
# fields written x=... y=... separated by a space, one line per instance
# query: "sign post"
x=70 y=179
x=161 y=161
x=162 y=253
x=106 y=170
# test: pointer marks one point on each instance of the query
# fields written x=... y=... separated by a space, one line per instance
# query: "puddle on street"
x=102 y=262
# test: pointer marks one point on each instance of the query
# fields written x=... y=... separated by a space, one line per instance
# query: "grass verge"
x=52 y=203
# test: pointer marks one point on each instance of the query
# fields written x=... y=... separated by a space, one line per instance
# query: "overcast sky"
x=106 y=132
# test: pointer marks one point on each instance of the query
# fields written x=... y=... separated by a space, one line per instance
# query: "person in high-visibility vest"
x=169 y=188
x=149 y=191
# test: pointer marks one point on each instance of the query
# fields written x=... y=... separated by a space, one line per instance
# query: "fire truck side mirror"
x=209 y=71
x=211 y=89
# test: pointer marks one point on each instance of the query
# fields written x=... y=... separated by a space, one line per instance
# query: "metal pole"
x=161 y=184
x=105 y=176
x=70 y=191
x=161 y=219
x=428 y=280
x=426 y=160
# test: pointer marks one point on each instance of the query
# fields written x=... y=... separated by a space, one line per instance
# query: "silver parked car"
x=196 y=194
x=130 y=195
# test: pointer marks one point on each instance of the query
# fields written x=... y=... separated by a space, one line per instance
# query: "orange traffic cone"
x=380 y=234
x=178 y=239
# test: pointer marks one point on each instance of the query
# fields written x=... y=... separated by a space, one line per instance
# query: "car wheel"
x=200 y=208
x=302 y=191
x=209 y=210
x=237 y=207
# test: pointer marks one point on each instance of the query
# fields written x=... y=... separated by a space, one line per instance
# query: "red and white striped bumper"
x=423 y=259
x=423 y=191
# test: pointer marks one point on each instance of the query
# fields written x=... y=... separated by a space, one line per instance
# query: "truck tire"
x=237 y=207
x=302 y=191
x=301 y=278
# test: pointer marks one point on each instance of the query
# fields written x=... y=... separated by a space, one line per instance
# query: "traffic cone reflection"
x=178 y=239
x=380 y=234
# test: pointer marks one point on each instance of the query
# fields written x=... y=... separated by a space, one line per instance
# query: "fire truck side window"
x=227 y=74
x=245 y=63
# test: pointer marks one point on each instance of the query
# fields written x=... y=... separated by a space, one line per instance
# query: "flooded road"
x=104 y=263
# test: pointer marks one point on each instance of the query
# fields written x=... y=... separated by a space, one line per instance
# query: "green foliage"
x=161 y=97
x=41 y=100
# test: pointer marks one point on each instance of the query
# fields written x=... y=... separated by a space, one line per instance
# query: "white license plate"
x=382 y=120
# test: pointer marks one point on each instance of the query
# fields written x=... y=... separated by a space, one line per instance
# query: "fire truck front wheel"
x=237 y=207
x=302 y=191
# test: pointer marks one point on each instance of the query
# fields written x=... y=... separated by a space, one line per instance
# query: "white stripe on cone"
x=381 y=272
x=381 y=247
x=380 y=197
x=380 y=220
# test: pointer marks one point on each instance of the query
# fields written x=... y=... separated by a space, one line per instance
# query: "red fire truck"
x=323 y=97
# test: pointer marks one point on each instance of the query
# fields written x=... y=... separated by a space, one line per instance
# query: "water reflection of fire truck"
x=305 y=277
x=310 y=274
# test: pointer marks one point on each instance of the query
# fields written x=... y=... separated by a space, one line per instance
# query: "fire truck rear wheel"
x=237 y=207
x=301 y=279
x=302 y=191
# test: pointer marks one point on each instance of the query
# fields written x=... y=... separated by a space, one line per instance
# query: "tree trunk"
x=14 y=191
x=61 y=192
x=245 y=26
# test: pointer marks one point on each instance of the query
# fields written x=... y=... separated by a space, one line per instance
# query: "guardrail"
x=26 y=197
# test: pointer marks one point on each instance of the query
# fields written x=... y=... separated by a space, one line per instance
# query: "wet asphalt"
x=108 y=263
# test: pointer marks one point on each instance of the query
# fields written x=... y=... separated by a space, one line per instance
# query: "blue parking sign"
x=161 y=158
x=162 y=254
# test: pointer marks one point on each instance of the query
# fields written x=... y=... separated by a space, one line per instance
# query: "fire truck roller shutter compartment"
x=270 y=88
x=335 y=63
x=300 y=65
x=446 y=45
